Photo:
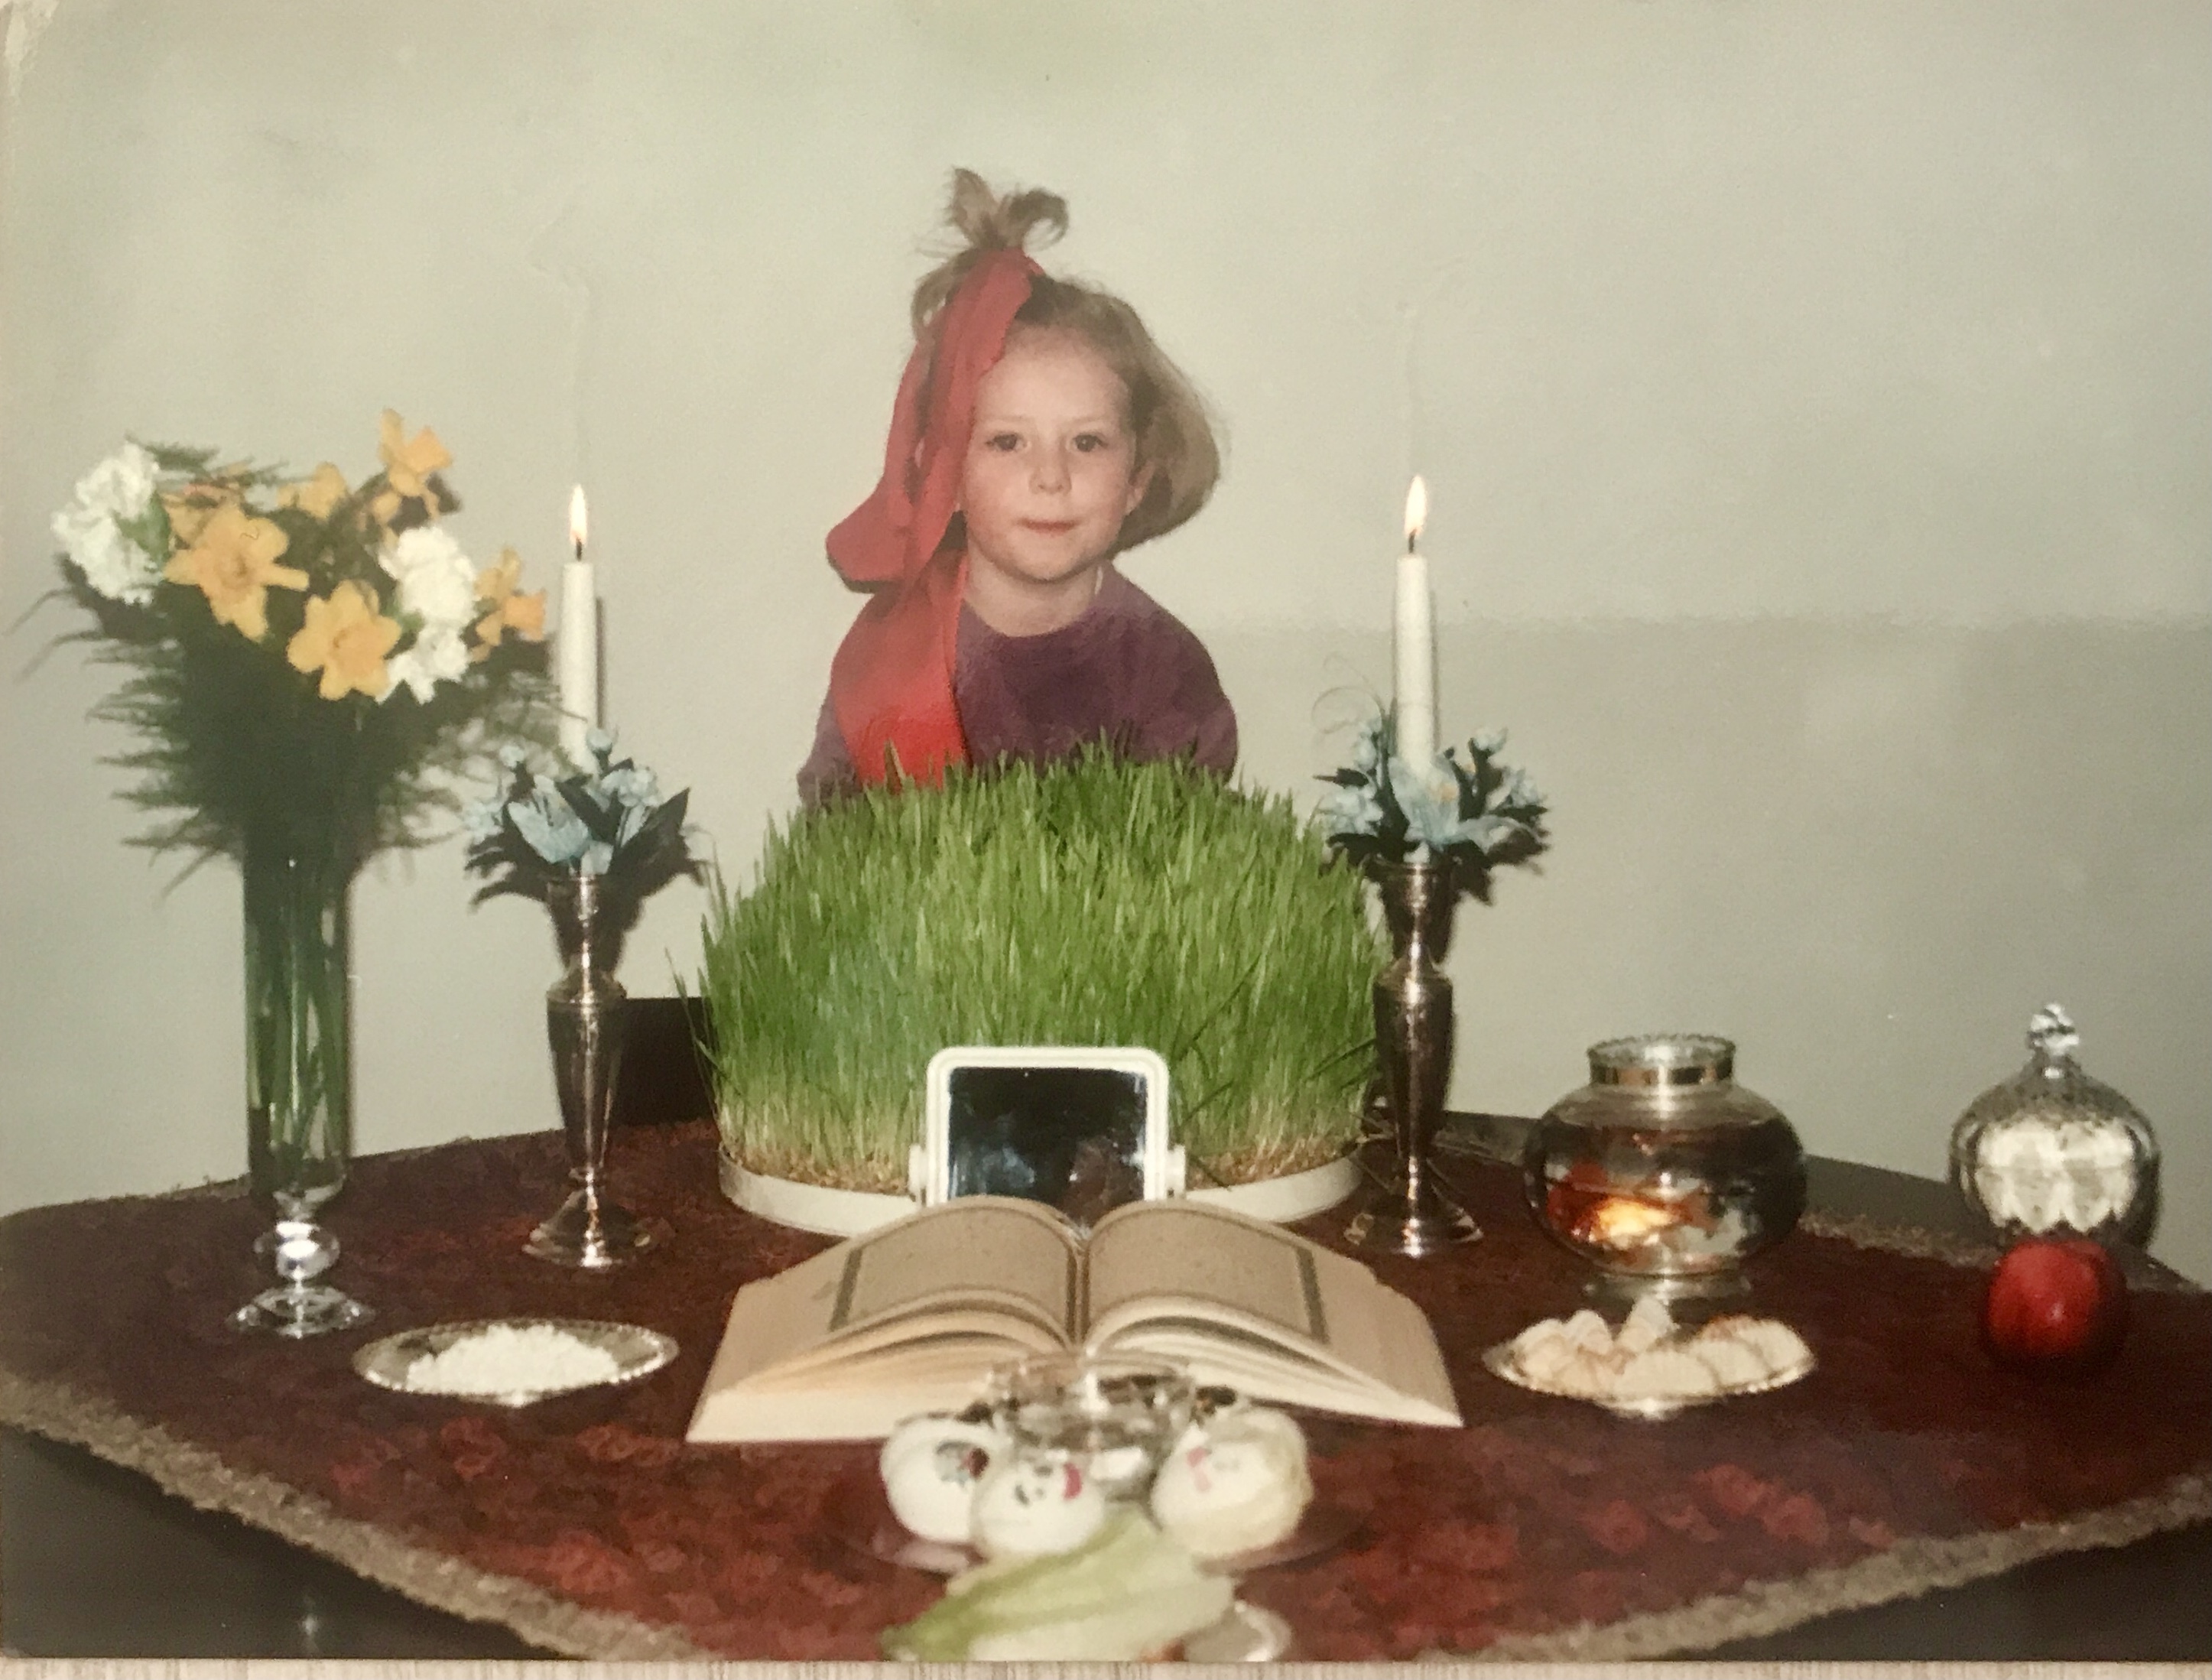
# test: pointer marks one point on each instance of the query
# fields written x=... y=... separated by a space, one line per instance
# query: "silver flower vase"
x=299 y=1077
x=1405 y=1211
x=583 y=1025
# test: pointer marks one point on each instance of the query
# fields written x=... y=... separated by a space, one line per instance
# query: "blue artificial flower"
x=512 y=756
x=1520 y=790
x=632 y=787
x=1430 y=799
x=1487 y=743
x=1486 y=833
x=553 y=830
x=1350 y=810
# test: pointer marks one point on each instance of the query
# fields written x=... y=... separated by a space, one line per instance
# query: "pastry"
x=931 y=1467
x=1733 y=1363
x=1236 y=1484
x=1665 y=1373
x=1648 y=1325
x=1029 y=1504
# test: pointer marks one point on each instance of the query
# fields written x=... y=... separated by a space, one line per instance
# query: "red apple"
x=2056 y=1304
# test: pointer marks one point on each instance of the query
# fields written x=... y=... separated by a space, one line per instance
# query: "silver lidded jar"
x=2052 y=1150
x=1664 y=1173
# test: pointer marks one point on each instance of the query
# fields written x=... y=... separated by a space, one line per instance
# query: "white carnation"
x=118 y=491
x=435 y=657
x=437 y=581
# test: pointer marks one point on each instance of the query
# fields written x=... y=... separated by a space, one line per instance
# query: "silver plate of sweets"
x=1245 y=1633
x=1647 y=1369
x=513 y=1361
x=1248 y=1634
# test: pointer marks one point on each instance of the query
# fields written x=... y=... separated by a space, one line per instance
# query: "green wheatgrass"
x=1095 y=902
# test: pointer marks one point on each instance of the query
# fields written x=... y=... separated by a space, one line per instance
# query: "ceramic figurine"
x=1236 y=1483
x=931 y=1465
x=1031 y=1503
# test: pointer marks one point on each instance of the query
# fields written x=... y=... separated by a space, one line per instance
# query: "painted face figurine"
x=1031 y=1503
x=931 y=1467
x=1236 y=1483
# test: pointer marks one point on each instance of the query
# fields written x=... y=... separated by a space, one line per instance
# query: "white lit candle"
x=579 y=644
x=1415 y=639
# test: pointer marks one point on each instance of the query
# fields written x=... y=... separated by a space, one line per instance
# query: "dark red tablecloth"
x=1543 y=1529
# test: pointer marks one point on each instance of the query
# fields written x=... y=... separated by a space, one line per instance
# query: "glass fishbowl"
x=1663 y=1173
x=2052 y=1150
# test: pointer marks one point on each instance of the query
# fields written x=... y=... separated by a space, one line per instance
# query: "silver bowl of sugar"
x=513 y=1361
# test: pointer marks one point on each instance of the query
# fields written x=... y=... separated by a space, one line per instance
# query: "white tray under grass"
x=844 y=1213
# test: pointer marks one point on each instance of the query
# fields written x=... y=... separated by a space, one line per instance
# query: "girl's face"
x=1051 y=470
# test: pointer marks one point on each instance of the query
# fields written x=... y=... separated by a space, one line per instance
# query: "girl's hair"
x=1173 y=436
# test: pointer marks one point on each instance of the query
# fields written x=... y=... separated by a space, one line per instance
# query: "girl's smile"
x=1049 y=475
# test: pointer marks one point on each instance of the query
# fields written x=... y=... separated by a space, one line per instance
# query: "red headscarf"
x=891 y=681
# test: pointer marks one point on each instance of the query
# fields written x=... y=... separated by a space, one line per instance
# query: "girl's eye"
x=1003 y=441
x=1090 y=442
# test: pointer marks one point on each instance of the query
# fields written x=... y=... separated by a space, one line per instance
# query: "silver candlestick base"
x=583 y=1024
x=593 y=1234
x=1405 y=1211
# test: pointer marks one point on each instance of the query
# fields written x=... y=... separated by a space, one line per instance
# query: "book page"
x=978 y=1246
x=1264 y=1310
x=1189 y=1251
x=905 y=1319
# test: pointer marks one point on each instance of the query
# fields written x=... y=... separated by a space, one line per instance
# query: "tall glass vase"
x=584 y=1028
x=1407 y=1212
x=299 y=1076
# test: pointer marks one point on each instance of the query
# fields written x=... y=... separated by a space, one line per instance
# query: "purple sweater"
x=1127 y=670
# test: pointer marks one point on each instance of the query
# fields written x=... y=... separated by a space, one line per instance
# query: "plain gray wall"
x=1815 y=400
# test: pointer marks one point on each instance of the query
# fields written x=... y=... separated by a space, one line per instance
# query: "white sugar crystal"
x=1544 y=1333
x=1588 y=1374
x=507 y=1359
x=1586 y=1329
x=1665 y=1373
x=1775 y=1343
x=1647 y=1325
x=1542 y=1351
x=1734 y=1362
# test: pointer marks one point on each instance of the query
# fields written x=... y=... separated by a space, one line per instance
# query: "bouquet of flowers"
x=612 y=822
x=1482 y=815
x=309 y=659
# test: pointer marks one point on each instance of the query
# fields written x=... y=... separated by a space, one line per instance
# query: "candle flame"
x=579 y=523
x=1417 y=509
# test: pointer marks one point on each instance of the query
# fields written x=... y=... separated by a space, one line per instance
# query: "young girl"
x=1038 y=433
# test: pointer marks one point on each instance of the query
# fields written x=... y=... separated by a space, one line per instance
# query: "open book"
x=912 y=1317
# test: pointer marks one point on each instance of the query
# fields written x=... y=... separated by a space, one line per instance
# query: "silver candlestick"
x=1406 y=1212
x=583 y=1025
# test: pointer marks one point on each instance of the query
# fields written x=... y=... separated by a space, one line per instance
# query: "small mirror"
x=1082 y=1130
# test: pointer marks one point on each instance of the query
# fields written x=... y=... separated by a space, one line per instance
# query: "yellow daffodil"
x=345 y=638
x=317 y=495
x=523 y=614
x=233 y=559
x=408 y=465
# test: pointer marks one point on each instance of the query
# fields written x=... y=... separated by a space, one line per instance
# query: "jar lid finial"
x=2052 y=1035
